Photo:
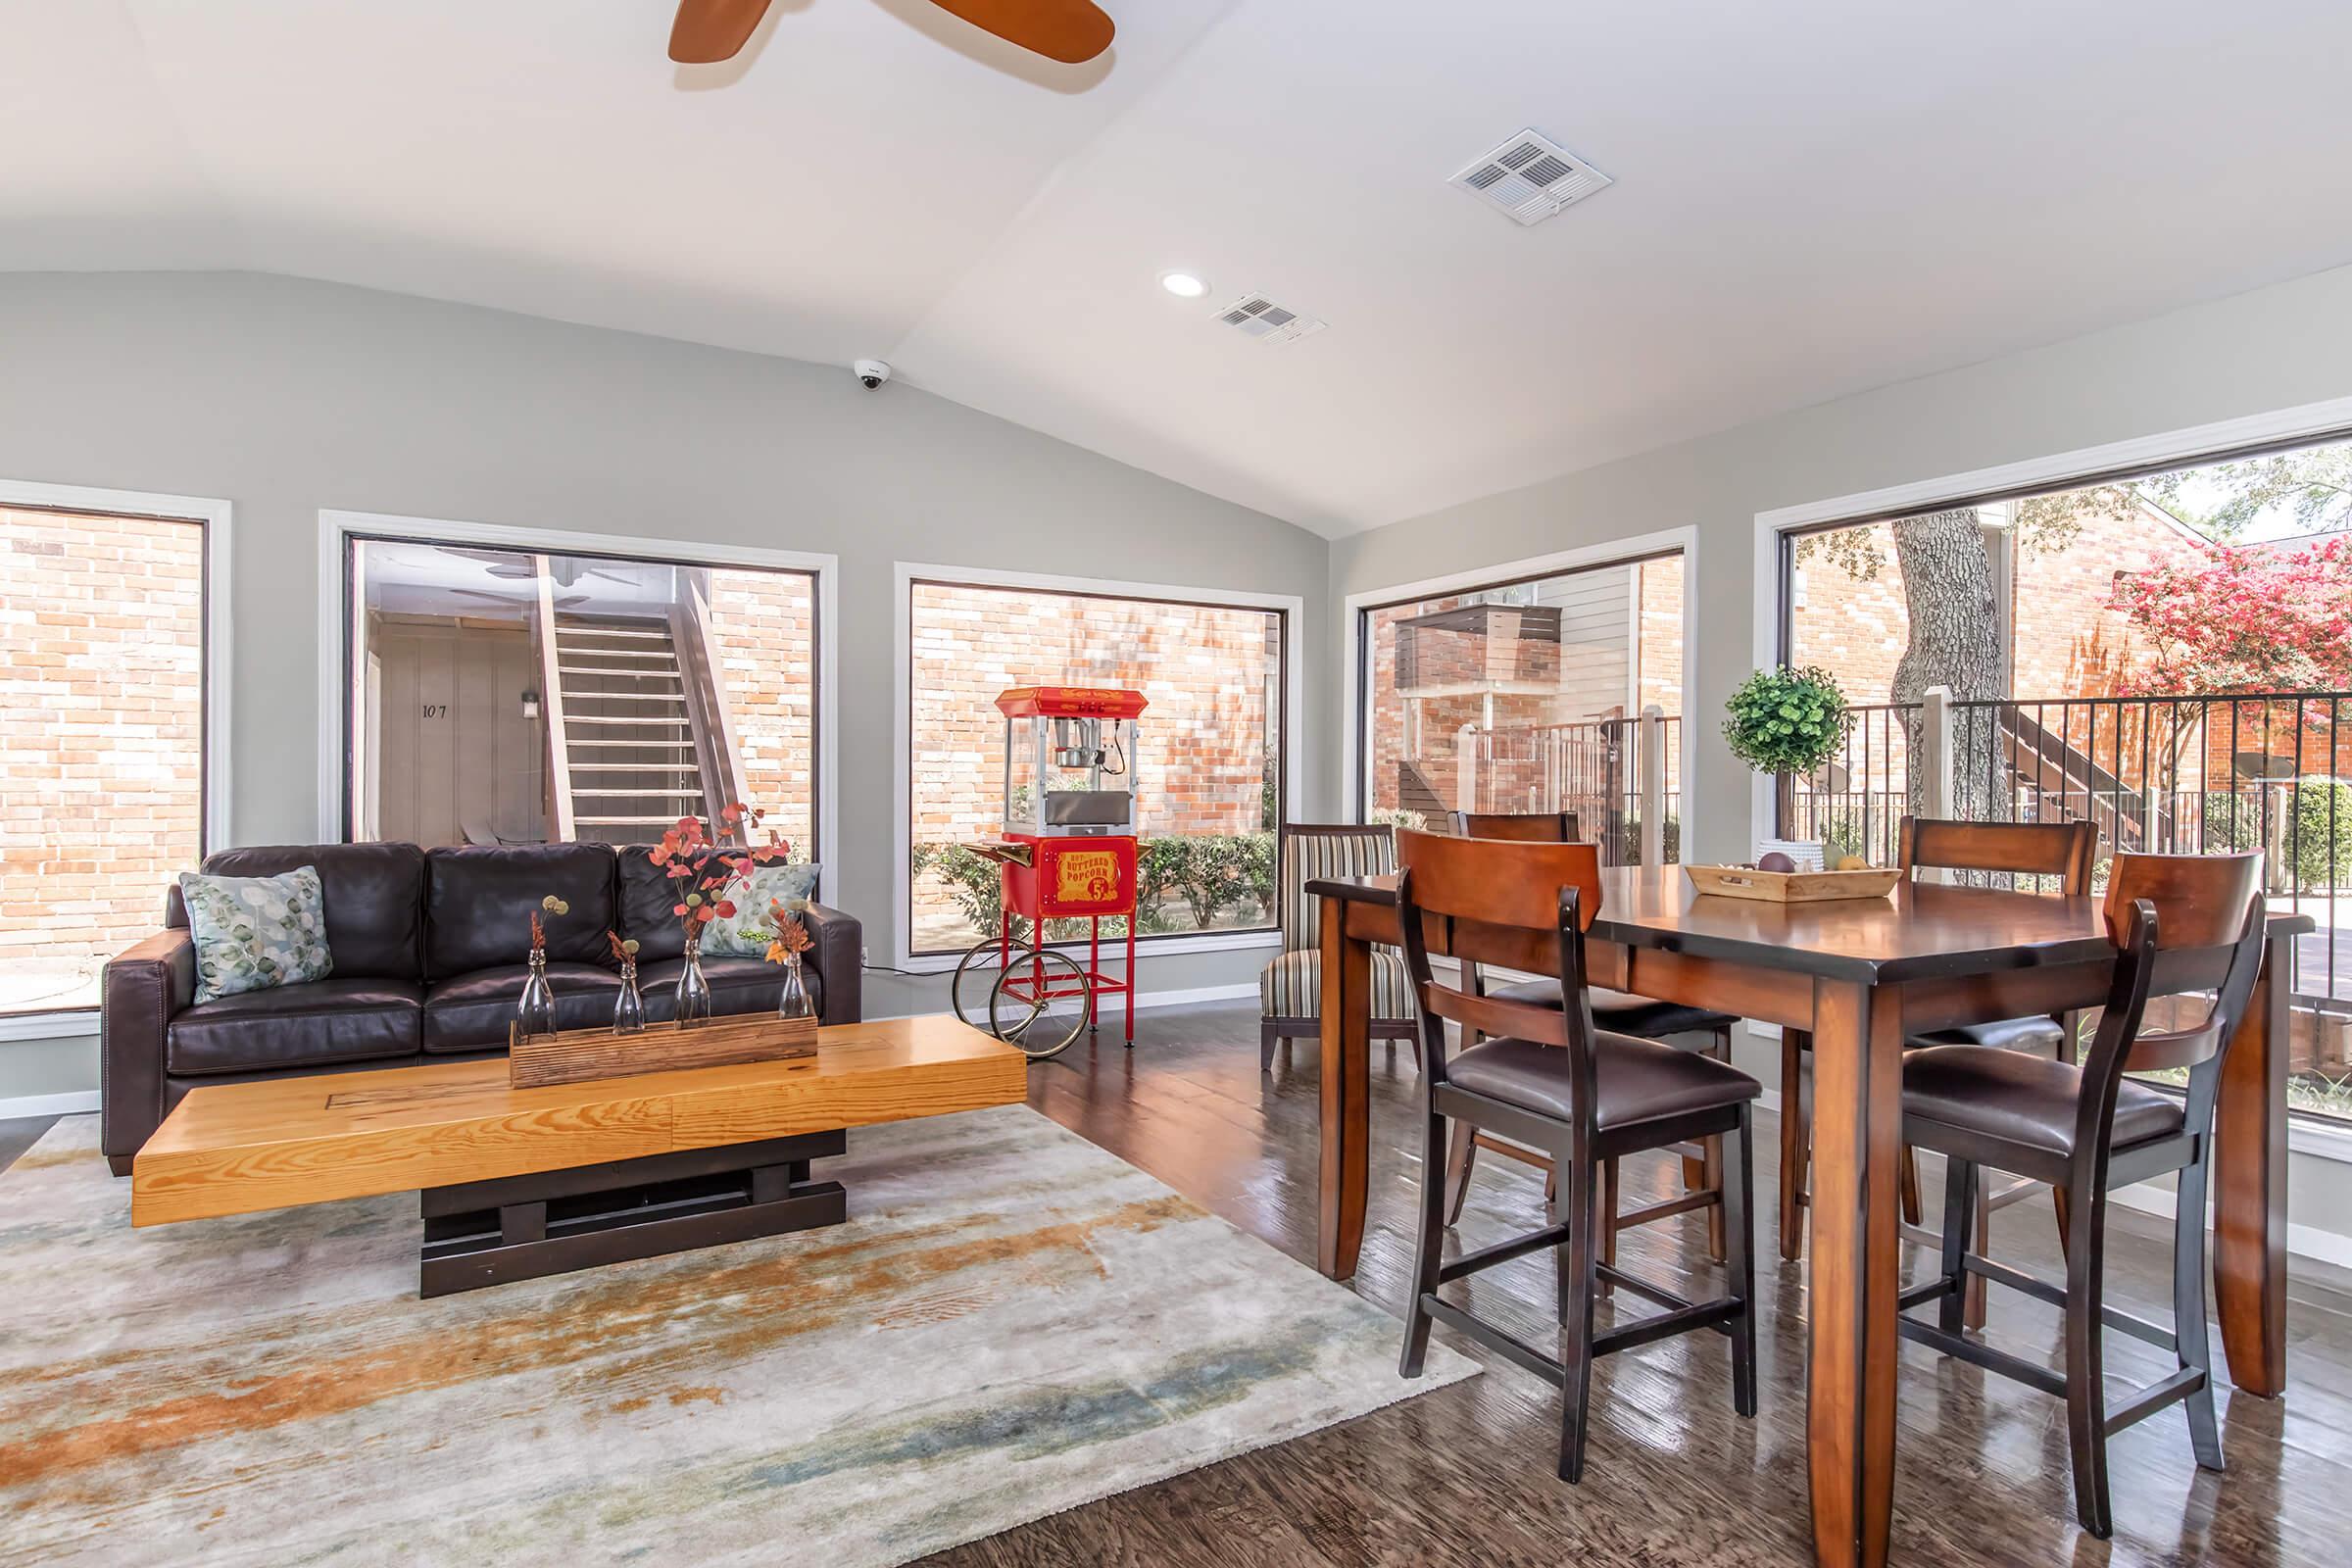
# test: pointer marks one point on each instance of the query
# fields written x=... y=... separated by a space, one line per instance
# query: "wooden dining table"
x=1861 y=975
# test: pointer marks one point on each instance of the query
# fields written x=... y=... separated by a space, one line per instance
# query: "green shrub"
x=2321 y=860
x=971 y=879
x=1628 y=841
x=1205 y=877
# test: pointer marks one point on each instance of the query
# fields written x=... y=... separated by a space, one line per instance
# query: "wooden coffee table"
x=518 y=1183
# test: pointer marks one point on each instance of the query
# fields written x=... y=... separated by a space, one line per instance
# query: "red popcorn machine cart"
x=1068 y=852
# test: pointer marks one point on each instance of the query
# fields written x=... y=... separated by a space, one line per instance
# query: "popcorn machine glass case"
x=1076 y=746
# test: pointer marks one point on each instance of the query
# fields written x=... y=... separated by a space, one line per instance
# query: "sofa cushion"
x=737 y=985
x=471 y=1011
x=344 y=1018
x=747 y=932
x=647 y=897
x=374 y=897
x=479 y=901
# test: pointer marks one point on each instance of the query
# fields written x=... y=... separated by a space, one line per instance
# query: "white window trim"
x=336 y=527
x=215 y=515
x=1606 y=553
x=903 y=577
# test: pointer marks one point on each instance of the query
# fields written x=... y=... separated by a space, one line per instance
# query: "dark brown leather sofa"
x=430 y=947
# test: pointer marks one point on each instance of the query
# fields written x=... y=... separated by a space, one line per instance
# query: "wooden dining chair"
x=1612 y=1011
x=2059 y=854
x=1545 y=1077
x=1525 y=827
x=2179 y=923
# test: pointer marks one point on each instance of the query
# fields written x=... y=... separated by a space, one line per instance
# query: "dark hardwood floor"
x=1464 y=1475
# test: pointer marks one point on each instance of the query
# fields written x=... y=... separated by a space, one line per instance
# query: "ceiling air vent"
x=1256 y=315
x=1531 y=177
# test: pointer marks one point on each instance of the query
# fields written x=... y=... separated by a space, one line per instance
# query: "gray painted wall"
x=2256 y=353
x=286 y=396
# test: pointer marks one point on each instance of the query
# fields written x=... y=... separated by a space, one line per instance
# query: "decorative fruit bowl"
x=1790 y=886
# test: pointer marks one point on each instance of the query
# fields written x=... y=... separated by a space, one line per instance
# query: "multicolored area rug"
x=1012 y=1323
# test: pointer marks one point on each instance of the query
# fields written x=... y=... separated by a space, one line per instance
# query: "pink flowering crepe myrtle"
x=2245 y=620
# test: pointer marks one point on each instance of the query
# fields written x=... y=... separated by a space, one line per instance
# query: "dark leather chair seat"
x=471 y=1011
x=2023 y=1100
x=2041 y=1035
x=1620 y=1014
x=1637 y=1080
x=318 y=1021
x=737 y=985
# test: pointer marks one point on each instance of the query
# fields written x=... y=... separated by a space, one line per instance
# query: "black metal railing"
x=1592 y=768
x=2179 y=775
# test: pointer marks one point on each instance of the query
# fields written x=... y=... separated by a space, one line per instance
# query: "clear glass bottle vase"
x=694 y=991
x=793 y=1003
x=628 y=1009
x=535 y=1010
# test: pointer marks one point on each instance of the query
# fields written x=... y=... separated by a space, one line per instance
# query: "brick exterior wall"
x=2064 y=642
x=1210 y=672
x=762 y=625
x=1511 y=782
x=101 y=734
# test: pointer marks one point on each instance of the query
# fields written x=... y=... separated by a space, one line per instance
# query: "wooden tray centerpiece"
x=582 y=1055
x=1791 y=887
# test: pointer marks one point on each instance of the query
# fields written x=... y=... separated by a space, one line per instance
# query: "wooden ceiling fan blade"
x=1069 y=30
x=708 y=31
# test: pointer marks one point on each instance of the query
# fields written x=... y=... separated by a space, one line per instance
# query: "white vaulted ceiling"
x=1812 y=197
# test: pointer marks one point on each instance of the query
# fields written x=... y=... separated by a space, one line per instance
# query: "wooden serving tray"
x=583 y=1056
x=1791 y=887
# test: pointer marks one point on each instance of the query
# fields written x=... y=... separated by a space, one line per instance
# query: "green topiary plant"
x=1787 y=720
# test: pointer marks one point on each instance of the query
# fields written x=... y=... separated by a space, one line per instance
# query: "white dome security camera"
x=871 y=374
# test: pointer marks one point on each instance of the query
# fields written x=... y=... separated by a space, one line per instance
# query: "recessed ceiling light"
x=1184 y=285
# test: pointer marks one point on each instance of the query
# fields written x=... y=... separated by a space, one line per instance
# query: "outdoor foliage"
x=1201 y=876
x=1628 y=842
x=2246 y=621
x=1787 y=720
x=2317 y=839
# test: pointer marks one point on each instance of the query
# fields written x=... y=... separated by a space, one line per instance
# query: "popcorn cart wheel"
x=1034 y=998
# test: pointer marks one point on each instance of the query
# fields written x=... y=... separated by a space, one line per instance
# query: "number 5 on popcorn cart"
x=1068 y=852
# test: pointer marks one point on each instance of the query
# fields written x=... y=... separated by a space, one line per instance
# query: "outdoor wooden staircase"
x=638 y=733
x=629 y=766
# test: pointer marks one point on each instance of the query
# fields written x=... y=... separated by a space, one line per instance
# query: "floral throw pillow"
x=744 y=935
x=254 y=932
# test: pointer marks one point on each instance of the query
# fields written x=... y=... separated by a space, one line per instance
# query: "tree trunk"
x=1955 y=641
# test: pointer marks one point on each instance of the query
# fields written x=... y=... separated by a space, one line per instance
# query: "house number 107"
x=436 y=710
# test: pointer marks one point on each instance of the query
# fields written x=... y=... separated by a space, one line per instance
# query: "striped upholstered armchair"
x=1290 y=990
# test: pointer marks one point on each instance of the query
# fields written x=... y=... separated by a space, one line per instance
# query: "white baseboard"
x=71 y=1103
x=1244 y=990
x=2302 y=1240
x=1146 y=1001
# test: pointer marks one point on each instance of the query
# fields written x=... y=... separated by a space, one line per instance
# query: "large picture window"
x=502 y=696
x=1526 y=695
x=102 y=775
x=2161 y=653
x=1211 y=750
